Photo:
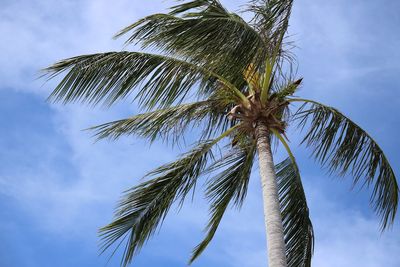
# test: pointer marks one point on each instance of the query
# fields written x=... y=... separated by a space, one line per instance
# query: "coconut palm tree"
x=231 y=81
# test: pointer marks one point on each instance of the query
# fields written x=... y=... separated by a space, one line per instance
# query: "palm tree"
x=233 y=80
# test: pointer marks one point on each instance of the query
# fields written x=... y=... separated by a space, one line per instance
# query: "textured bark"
x=272 y=213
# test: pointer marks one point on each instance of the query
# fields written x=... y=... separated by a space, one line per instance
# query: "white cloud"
x=352 y=240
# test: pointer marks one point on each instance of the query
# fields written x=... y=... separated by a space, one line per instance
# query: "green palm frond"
x=344 y=147
x=203 y=32
x=271 y=20
x=271 y=17
x=288 y=89
x=298 y=230
x=213 y=7
x=108 y=77
x=229 y=186
x=168 y=123
x=144 y=207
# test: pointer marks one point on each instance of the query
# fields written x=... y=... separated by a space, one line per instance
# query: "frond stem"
x=286 y=145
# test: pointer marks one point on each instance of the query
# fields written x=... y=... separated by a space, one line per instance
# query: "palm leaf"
x=144 y=207
x=108 y=77
x=271 y=18
x=345 y=147
x=298 y=230
x=203 y=32
x=171 y=122
x=210 y=6
x=229 y=186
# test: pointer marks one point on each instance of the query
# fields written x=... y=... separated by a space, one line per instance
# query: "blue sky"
x=57 y=186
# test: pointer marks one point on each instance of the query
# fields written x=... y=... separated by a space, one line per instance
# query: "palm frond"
x=168 y=123
x=271 y=17
x=271 y=20
x=288 y=89
x=229 y=186
x=144 y=207
x=108 y=77
x=344 y=147
x=298 y=230
x=203 y=32
x=210 y=6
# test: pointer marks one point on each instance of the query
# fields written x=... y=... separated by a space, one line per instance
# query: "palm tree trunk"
x=272 y=213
